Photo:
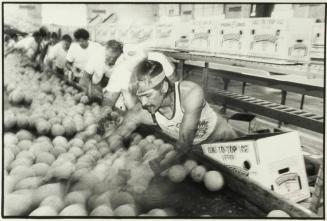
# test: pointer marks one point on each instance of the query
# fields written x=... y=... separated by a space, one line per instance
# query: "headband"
x=145 y=85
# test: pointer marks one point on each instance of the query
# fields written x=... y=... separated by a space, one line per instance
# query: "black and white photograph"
x=163 y=110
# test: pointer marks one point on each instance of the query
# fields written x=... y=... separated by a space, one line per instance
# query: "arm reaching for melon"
x=133 y=118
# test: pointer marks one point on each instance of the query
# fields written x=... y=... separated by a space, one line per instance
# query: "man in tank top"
x=179 y=108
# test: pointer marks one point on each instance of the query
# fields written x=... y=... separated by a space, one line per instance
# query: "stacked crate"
x=288 y=39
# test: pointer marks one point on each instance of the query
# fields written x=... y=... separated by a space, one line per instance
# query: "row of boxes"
x=287 y=39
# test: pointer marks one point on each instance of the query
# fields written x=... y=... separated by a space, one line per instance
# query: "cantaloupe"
x=45 y=157
x=61 y=141
x=40 y=169
x=21 y=162
x=177 y=173
x=84 y=99
x=125 y=210
x=42 y=139
x=57 y=130
x=24 y=135
x=74 y=210
x=102 y=210
x=9 y=121
x=46 y=190
x=69 y=125
x=157 y=212
x=9 y=183
x=44 y=211
x=43 y=127
x=17 y=97
x=40 y=147
x=101 y=199
x=89 y=145
x=28 y=98
x=10 y=139
x=24 y=144
x=18 y=203
x=76 y=142
x=150 y=138
x=213 y=180
x=63 y=171
x=189 y=165
x=76 y=151
x=9 y=156
x=134 y=153
x=158 y=142
x=26 y=154
x=277 y=213
x=28 y=183
x=77 y=197
x=22 y=121
x=120 y=198
x=54 y=201
x=197 y=173
x=22 y=172
x=67 y=156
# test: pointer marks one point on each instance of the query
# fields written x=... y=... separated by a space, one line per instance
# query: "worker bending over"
x=56 y=58
x=179 y=108
x=79 y=54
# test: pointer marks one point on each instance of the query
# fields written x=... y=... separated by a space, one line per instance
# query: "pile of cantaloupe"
x=55 y=164
x=212 y=180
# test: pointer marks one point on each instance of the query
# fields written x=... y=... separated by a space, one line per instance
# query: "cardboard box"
x=139 y=34
x=274 y=159
x=231 y=36
x=318 y=34
x=280 y=38
x=201 y=36
x=181 y=35
x=164 y=35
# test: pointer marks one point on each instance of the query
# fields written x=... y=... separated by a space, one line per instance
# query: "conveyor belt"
x=285 y=114
x=273 y=66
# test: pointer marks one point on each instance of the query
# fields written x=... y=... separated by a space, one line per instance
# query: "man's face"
x=38 y=39
x=151 y=100
x=111 y=56
x=66 y=45
x=83 y=43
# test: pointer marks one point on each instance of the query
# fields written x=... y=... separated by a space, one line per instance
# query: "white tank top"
x=206 y=126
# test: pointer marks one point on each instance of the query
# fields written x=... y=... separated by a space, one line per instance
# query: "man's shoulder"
x=191 y=94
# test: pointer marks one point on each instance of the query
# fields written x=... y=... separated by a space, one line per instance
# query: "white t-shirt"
x=28 y=45
x=96 y=65
x=57 y=54
x=79 y=56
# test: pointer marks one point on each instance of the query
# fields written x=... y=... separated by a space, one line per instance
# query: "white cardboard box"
x=231 y=36
x=281 y=38
x=201 y=37
x=275 y=160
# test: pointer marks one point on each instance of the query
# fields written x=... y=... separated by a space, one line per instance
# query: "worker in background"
x=56 y=58
x=100 y=70
x=29 y=46
x=47 y=48
x=179 y=108
x=119 y=68
x=79 y=54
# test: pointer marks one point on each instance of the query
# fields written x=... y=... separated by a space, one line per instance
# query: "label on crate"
x=241 y=157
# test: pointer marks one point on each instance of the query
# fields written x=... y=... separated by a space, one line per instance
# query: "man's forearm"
x=110 y=98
